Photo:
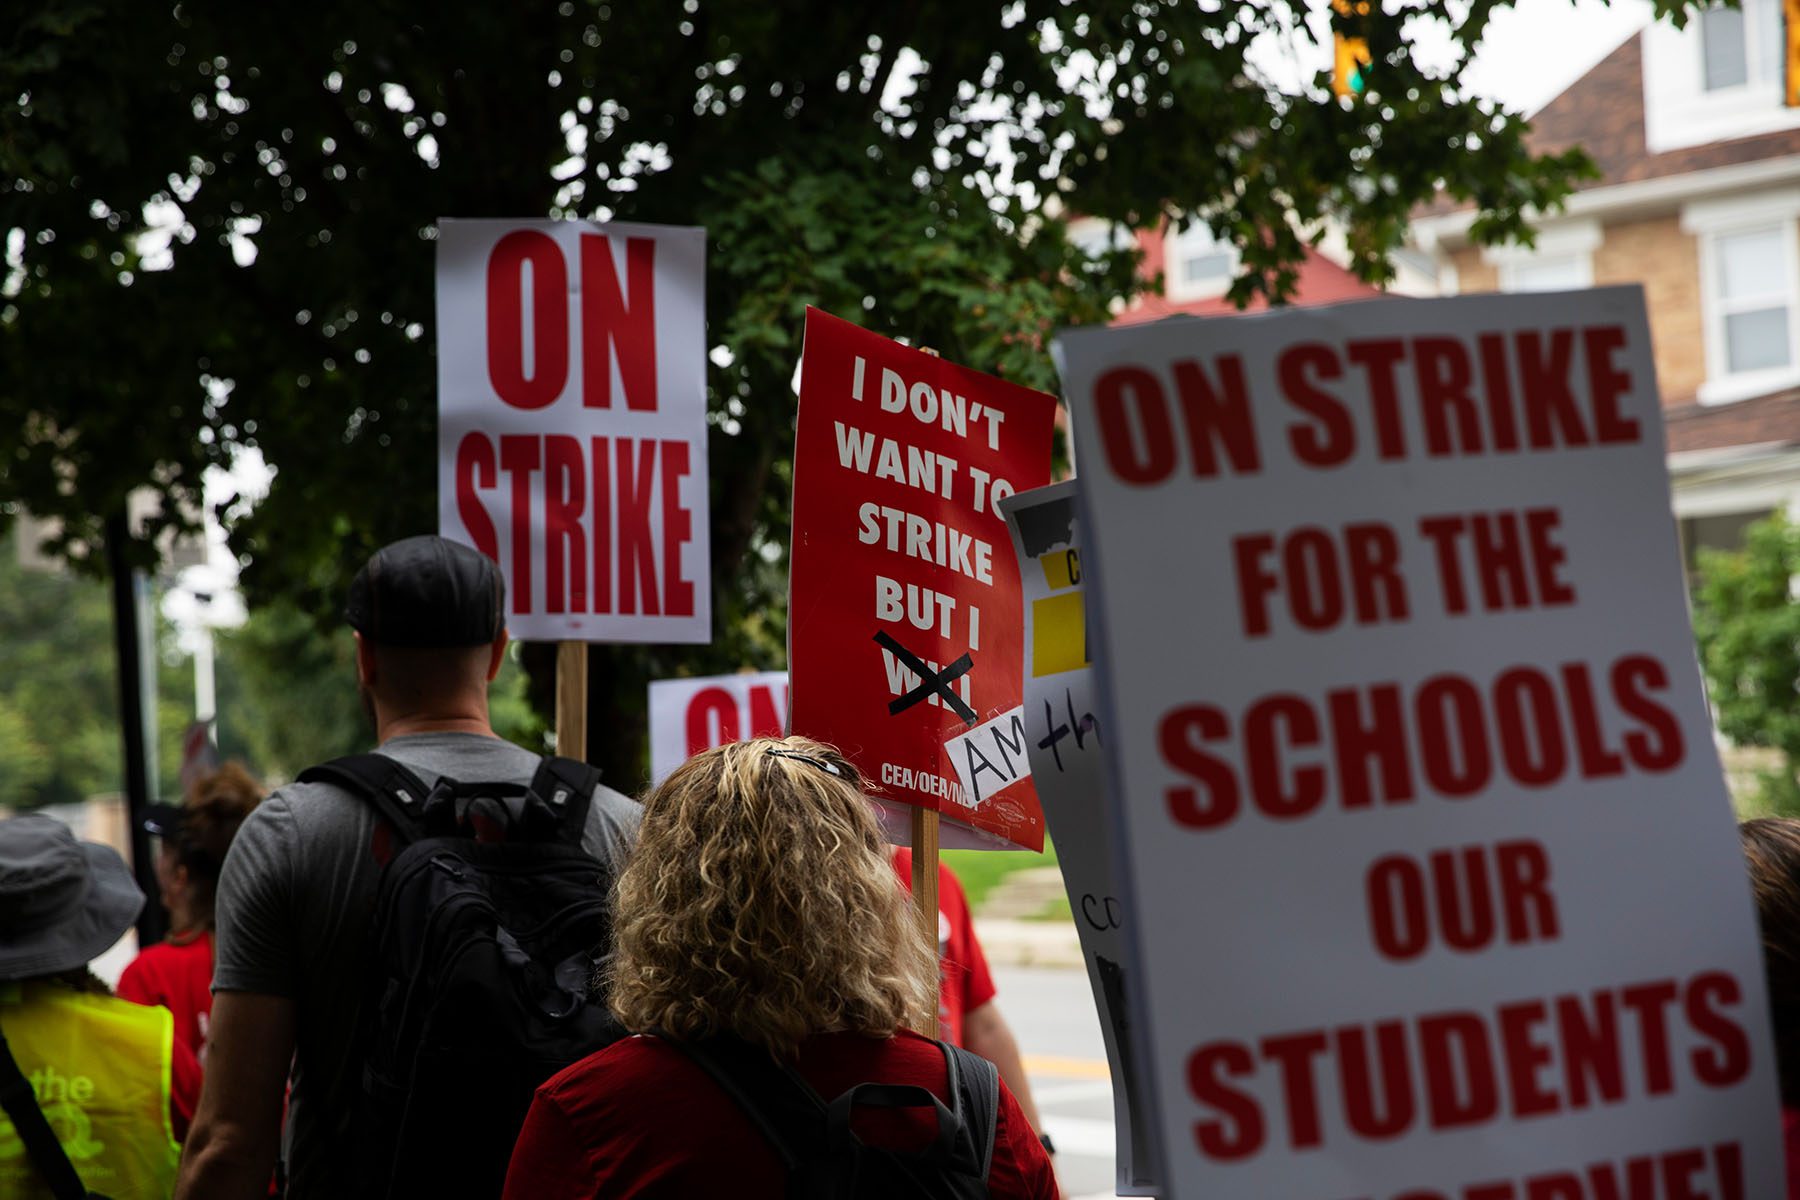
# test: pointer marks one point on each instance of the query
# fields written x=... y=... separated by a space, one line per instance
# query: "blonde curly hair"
x=760 y=902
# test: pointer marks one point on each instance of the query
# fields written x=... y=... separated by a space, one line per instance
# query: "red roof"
x=1321 y=281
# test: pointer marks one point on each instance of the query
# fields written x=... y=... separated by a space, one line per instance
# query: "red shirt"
x=967 y=985
x=638 y=1120
x=178 y=976
x=1790 y=1140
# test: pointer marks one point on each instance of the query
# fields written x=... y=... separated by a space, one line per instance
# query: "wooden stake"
x=925 y=864
x=571 y=700
x=925 y=889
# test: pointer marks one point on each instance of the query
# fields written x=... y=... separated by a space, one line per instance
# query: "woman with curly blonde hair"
x=759 y=905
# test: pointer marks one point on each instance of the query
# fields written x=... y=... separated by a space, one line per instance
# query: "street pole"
x=129 y=653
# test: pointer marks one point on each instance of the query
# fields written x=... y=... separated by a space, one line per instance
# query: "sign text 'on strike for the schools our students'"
x=691 y=715
x=572 y=423
x=1435 y=885
x=903 y=625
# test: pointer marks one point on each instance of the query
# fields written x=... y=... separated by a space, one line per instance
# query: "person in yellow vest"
x=107 y=1075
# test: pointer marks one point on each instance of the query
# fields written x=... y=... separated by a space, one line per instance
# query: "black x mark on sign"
x=930 y=682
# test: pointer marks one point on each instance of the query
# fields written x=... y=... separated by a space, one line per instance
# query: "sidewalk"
x=1015 y=943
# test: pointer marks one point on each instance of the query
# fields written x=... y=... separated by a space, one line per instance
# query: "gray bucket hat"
x=62 y=902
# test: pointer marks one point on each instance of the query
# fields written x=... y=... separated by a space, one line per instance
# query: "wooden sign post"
x=925 y=863
x=571 y=700
x=925 y=888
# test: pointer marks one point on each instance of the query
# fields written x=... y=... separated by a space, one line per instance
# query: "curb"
x=1011 y=943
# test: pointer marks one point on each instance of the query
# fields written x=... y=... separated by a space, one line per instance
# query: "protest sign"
x=991 y=757
x=691 y=715
x=903 y=627
x=572 y=423
x=1436 y=886
x=1060 y=727
x=199 y=756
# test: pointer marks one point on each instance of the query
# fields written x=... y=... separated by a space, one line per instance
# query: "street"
x=1051 y=1011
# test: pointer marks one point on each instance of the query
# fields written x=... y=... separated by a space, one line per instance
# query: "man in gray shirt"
x=298 y=889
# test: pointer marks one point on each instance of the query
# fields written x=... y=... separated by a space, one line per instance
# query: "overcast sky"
x=1537 y=49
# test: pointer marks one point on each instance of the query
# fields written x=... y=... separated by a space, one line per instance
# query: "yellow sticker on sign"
x=1062 y=568
x=1059 y=623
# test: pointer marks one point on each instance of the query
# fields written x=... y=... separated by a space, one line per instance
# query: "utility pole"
x=127 y=597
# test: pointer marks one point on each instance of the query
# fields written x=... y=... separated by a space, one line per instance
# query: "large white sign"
x=1060 y=727
x=691 y=715
x=1436 y=890
x=572 y=423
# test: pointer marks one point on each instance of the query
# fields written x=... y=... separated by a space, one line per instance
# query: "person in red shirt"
x=759 y=903
x=967 y=1014
x=177 y=973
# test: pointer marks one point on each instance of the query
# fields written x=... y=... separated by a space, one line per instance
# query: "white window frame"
x=1680 y=112
x=1573 y=241
x=1746 y=15
x=1175 y=284
x=1087 y=233
x=1710 y=220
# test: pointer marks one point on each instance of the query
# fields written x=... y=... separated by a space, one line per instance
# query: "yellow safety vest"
x=101 y=1070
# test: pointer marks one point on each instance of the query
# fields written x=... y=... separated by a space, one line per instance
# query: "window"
x=1197 y=265
x=1749 y=292
x=1739 y=46
x=1724 y=58
x=1752 y=285
x=1558 y=273
x=1561 y=260
x=1095 y=237
x=1718 y=79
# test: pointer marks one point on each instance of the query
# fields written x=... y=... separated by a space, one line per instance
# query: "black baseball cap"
x=427 y=591
x=164 y=820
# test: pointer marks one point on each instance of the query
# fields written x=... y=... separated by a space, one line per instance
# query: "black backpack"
x=489 y=928
x=825 y=1160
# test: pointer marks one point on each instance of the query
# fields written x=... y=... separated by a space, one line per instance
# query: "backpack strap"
x=791 y=1119
x=787 y=1111
x=47 y=1154
x=980 y=1092
x=397 y=793
x=567 y=786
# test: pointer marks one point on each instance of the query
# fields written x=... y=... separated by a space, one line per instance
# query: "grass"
x=1057 y=910
x=982 y=870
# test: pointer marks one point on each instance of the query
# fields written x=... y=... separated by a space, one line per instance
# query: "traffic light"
x=1351 y=54
x=1790 y=29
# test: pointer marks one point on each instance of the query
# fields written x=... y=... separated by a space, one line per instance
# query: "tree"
x=59 y=700
x=897 y=164
x=1748 y=627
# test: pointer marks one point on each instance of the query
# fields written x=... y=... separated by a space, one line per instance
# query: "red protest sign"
x=904 y=596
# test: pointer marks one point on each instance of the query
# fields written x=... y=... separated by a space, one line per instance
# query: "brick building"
x=1698 y=200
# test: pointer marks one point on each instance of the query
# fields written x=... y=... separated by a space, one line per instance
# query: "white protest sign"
x=1062 y=735
x=990 y=757
x=572 y=423
x=1436 y=888
x=691 y=715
